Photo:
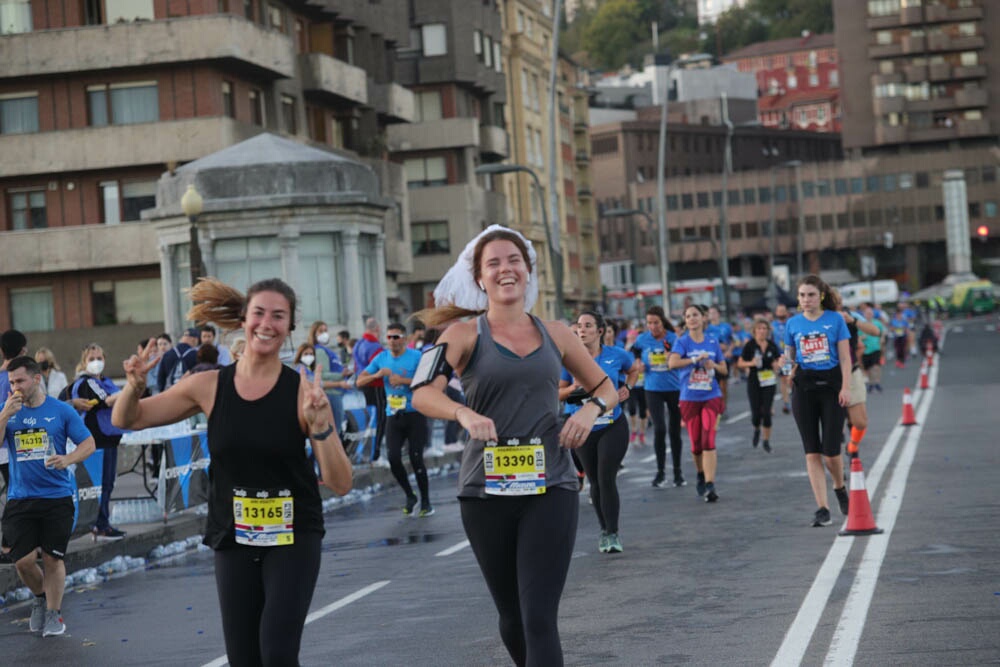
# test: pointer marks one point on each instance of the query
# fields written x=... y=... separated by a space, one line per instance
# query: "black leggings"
x=523 y=546
x=409 y=427
x=656 y=401
x=820 y=420
x=375 y=397
x=264 y=596
x=761 y=399
x=601 y=454
x=637 y=402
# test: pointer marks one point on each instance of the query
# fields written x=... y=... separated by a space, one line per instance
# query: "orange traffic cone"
x=923 y=377
x=909 y=418
x=859 y=517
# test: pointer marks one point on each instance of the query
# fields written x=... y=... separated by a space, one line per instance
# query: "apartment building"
x=798 y=81
x=455 y=69
x=98 y=99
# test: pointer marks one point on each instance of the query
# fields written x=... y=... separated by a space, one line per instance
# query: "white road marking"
x=320 y=613
x=648 y=459
x=736 y=418
x=450 y=550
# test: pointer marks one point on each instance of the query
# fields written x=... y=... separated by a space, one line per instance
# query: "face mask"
x=44 y=365
x=95 y=367
x=323 y=338
x=308 y=359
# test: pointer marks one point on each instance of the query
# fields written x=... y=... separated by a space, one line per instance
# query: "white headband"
x=459 y=288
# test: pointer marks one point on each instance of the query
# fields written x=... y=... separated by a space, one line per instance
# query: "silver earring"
x=482 y=286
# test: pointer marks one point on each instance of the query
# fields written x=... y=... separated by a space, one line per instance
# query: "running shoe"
x=108 y=533
x=785 y=409
x=37 y=619
x=822 y=518
x=700 y=486
x=710 y=495
x=602 y=544
x=633 y=437
x=843 y=499
x=411 y=502
x=756 y=437
x=767 y=446
x=679 y=481
x=642 y=437
x=426 y=511
x=614 y=544
x=660 y=480
x=53 y=623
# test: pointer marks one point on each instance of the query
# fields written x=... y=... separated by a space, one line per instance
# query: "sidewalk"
x=140 y=539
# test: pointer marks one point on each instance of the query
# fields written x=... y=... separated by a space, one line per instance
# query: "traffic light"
x=983 y=232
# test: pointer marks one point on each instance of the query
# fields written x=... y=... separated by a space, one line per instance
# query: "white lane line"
x=648 y=459
x=450 y=550
x=800 y=632
x=847 y=636
x=320 y=613
x=736 y=418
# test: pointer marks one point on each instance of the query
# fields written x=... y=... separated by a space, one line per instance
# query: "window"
x=228 y=107
x=276 y=17
x=242 y=262
x=110 y=207
x=905 y=181
x=429 y=105
x=123 y=103
x=792 y=82
x=15 y=16
x=748 y=196
x=477 y=44
x=781 y=194
x=434 y=37
x=857 y=186
x=288 y=113
x=813 y=79
x=808 y=189
x=990 y=209
x=872 y=183
x=834 y=78
x=821 y=115
x=248 y=9
x=129 y=10
x=18 y=113
x=31 y=309
x=426 y=172
x=256 y=107
x=716 y=198
x=520 y=21
x=702 y=200
x=497 y=66
x=127 y=301
x=488 y=52
x=430 y=238
x=687 y=201
x=823 y=187
x=732 y=197
x=28 y=210
x=320 y=286
x=764 y=195
x=803 y=117
x=840 y=186
x=889 y=183
x=538 y=148
x=752 y=228
x=973 y=209
x=137 y=197
x=672 y=202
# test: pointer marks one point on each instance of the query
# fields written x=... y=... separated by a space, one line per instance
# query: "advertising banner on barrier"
x=87 y=496
x=184 y=475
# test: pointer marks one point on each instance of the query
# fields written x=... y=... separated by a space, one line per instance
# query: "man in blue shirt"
x=723 y=334
x=395 y=367
x=39 y=512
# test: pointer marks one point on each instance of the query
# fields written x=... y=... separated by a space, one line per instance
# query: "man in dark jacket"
x=179 y=359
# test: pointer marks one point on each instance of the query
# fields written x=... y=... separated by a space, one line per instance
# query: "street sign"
x=868 y=266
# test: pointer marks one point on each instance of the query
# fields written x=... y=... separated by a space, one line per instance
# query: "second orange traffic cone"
x=859 y=517
x=909 y=418
x=924 y=384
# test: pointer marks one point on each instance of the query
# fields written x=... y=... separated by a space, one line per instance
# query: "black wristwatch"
x=599 y=402
x=629 y=387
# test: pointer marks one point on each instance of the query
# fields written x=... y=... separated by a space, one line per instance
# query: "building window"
x=429 y=105
x=823 y=187
x=228 y=107
x=840 y=186
x=813 y=79
x=288 y=113
x=430 y=238
x=889 y=183
x=426 y=172
x=129 y=10
x=27 y=210
x=781 y=194
x=257 y=107
x=764 y=195
x=242 y=262
x=749 y=196
x=808 y=189
x=18 y=113
x=497 y=66
x=276 y=17
x=110 y=207
x=248 y=9
x=872 y=183
x=990 y=209
x=31 y=309
x=488 y=52
x=15 y=16
x=123 y=103
x=834 y=78
x=702 y=200
x=792 y=82
x=672 y=202
x=857 y=186
x=137 y=197
x=126 y=301
x=434 y=37
x=477 y=44
x=803 y=117
x=821 y=115
x=905 y=181
x=321 y=279
x=687 y=201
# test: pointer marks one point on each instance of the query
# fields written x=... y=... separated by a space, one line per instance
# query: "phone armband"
x=433 y=362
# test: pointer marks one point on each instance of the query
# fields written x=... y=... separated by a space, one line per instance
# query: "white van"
x=855 y=294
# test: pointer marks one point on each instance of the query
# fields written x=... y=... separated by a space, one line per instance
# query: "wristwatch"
x=629 y=387
x=599 y=402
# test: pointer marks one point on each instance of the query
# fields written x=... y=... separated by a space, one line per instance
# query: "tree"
x=734 y=29
x=788 y=18
x=614 y=30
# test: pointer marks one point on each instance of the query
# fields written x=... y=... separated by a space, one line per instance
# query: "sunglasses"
x=394 y=336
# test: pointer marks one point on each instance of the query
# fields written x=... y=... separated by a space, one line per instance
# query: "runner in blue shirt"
x=603 y=451
x=779 y=324
x=39 y=511
x=899 y=328
x=819 y=340
x=662 y=392
x=403 y=423
x=700 y=362
x=723 y=334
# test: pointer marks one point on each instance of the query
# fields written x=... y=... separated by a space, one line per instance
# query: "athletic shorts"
x=38 y=522
x=859 y=394
x=871 y=359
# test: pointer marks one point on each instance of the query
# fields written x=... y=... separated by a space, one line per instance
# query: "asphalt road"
x=745 y=581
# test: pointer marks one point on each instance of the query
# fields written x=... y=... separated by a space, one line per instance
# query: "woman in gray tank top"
x=518 y=487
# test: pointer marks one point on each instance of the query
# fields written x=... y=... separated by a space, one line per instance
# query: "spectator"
x=331 y=371
x=365 y=351
x=344 y=347
x=239 y=345
x=417 y=335
x=208 y=336
x=178 y=360
x=305 y=360
x=55 y=379
x=208 y=359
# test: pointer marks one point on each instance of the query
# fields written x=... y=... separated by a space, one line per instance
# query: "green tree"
x=616 y=27
x=734 y=29
x=788 y=18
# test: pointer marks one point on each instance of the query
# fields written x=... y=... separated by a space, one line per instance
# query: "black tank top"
x=258 y=446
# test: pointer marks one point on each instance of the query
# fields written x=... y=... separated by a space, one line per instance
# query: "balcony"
x=583 y=190
x=970 y=72
x=881 y=79
x=910 y=15
x=267 y=53
x=433 y=134
x=882 y=22
x=932 y=134
x=939 y=72
x=493 y=141
x=934 y=104
x=974 y=128
x=915 y=73
x=887 y=105
x=938 y=41
x=971 y=97
x=943 y=13
x=323 y=74
x=968 y=43
x=890 y=134
x=587 y=227
x=884 y=50
x=118 y=146
x=583 y=157
x=79 y=248
x=393 y=101
x=912 y=44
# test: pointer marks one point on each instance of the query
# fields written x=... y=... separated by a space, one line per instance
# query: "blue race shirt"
x=654 y=360
x=721 y=332
x=778 y=327
x=29 y=433
x=698 y=384
x=614 y=361
x=898 y=325
x=398 y=399
x=815 y=343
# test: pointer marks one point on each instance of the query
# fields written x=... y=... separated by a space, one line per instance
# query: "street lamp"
x=555 y=256
x=628 y=212
x=727 y=166
x=661 y=204
x=191 y=204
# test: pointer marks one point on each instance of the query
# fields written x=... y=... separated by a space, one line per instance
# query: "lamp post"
x=555 y=256
x=661 y=204
x=627 y=212
x=191 y=204
x=727 y=166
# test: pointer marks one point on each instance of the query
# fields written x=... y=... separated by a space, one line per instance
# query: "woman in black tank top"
x=521 y=522
x=265 y=518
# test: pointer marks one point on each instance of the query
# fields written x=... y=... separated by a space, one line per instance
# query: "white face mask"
x=95 y=367
x=323 y=338
x=308 y=359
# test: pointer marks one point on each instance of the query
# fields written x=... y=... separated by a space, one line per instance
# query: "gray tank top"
x=521 y=396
